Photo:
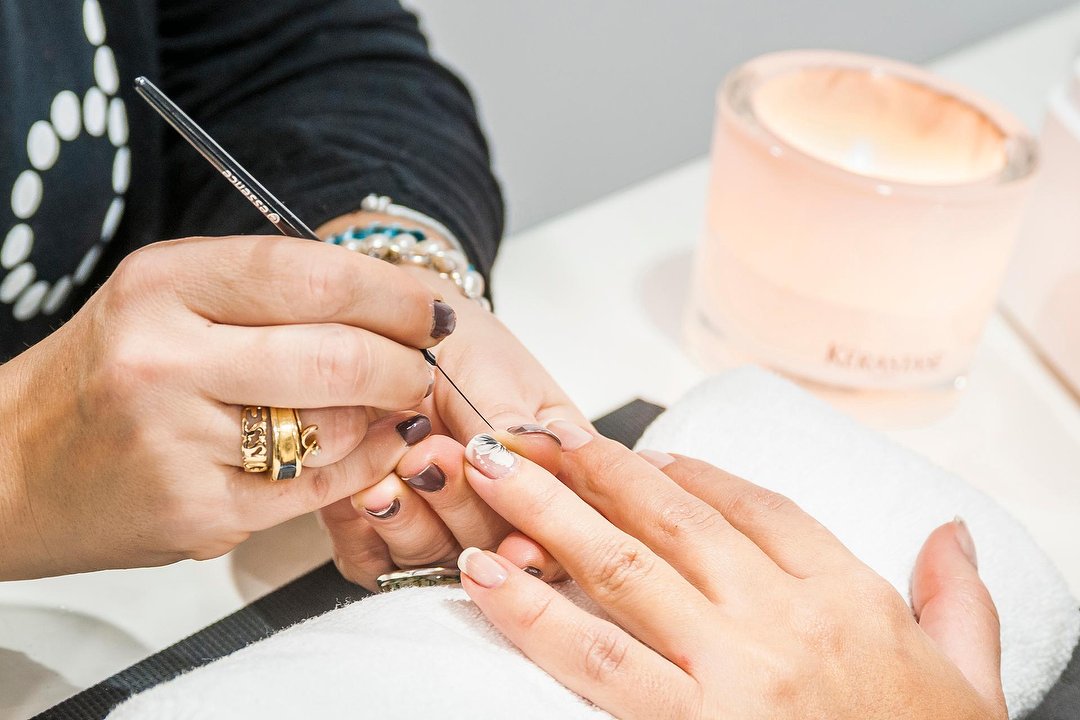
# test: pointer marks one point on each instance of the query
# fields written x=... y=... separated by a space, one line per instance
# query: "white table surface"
x=598 y=295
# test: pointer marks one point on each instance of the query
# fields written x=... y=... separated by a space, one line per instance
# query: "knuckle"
x=623 y=565
x=605 y=653
x=337 y=362
x=687 y=517
x=534 y=611
x=137 y=272
x=616 y=465
x=542 y=500
x=325 y=283
x=319 y=487
x=757 y=501
x=134 y=361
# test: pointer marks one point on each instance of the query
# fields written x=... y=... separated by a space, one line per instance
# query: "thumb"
x=954 y=608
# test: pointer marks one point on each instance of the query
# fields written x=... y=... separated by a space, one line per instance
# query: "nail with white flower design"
x=490 y=456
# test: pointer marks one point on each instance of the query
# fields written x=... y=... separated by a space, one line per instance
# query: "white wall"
x=581 y=97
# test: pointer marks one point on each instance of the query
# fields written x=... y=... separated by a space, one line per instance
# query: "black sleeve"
x=324 y=101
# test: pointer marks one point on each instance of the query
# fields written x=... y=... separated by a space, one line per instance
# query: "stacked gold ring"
x=274 y=439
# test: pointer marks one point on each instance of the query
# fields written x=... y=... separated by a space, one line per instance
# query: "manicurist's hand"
x=122 y=438
x=424 y=513
x=725 y=600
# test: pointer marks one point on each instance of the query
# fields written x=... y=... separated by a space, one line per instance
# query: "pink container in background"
x=1042 y=290
x=861 y=214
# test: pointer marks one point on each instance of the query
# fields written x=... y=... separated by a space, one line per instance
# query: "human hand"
x=126 y=421
x=425 y=513
x=726 y=599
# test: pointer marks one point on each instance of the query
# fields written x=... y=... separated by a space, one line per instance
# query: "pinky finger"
x=530 y=556
x=593 y=657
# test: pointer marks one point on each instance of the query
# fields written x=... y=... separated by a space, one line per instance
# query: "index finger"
x=637 y=588
x=258 y=281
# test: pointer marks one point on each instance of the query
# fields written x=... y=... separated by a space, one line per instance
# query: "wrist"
x=23 y=549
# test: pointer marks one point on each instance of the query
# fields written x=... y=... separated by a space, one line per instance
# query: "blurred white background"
x=583 y=97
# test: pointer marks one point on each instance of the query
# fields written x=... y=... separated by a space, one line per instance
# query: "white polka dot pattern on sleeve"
x=100 y=112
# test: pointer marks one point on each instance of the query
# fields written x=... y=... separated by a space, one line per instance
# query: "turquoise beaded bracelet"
x=411 y=246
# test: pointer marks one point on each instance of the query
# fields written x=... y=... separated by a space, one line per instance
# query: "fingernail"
x=414 y=429
x=430 y=479
x=657 y=458
x=534 y=571
x=533 y=429
x=445 y=320
x=481 y=567
x=490 y=456
x=387 y=512
x=964 y=540
x=430 y=385
x=571 y=437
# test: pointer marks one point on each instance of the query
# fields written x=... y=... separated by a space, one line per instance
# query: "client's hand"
x=726 y=600
x=425 y=513
x=122 y=442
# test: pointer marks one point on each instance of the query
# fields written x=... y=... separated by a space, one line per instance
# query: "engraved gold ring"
x=275 y=439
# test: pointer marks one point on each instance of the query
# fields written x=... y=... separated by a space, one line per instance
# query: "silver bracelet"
x=411 y=246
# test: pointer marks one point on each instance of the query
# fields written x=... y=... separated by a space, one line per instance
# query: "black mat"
x=324 y=588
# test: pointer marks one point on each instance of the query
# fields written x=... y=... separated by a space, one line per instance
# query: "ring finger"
x=433 y=469
x=413 y=532
x=340 y=431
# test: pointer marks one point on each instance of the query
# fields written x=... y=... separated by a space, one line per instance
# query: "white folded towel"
x=429 y=653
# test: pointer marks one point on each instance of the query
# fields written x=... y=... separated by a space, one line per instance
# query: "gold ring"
x=291 y=443
x=255 y=431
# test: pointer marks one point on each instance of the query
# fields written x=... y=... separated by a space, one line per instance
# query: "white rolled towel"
x=429 y=653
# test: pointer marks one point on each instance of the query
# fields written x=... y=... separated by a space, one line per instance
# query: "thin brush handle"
x=264 y=201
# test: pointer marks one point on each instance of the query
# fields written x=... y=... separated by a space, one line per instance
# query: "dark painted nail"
x=534 y=571
x=414 y=429
x=430 y=479
x=445 y=320
x=387 y=512
x=530 y=429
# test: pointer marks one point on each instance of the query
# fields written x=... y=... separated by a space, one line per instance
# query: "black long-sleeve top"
x=324 y=101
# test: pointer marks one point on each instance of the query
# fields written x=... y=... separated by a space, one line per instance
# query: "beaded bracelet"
x=411 y=246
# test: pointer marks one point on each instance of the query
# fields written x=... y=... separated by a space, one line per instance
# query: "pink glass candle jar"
x=861 y=214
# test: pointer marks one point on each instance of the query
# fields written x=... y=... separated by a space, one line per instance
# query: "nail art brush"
x=245 y=183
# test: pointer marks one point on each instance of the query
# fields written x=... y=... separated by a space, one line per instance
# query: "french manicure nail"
x=445 y=320
x=430 y=479
x=414 y=429
x=481 y=567
x=533 y=429
x=387 y=512
x=964 y=540
x=571 y=437
x=534 y=571
x=490 y=456
x=657 y=458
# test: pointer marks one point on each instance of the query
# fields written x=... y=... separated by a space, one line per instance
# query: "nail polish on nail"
x=533 y=429
x=430 y=479
x=490 y=456
x=481 y=567
x=964 y=540
x=444 y=321
x=387 y=512
x=570 y=435
x=414 y=429
x=534 y=571
x=656 y=458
